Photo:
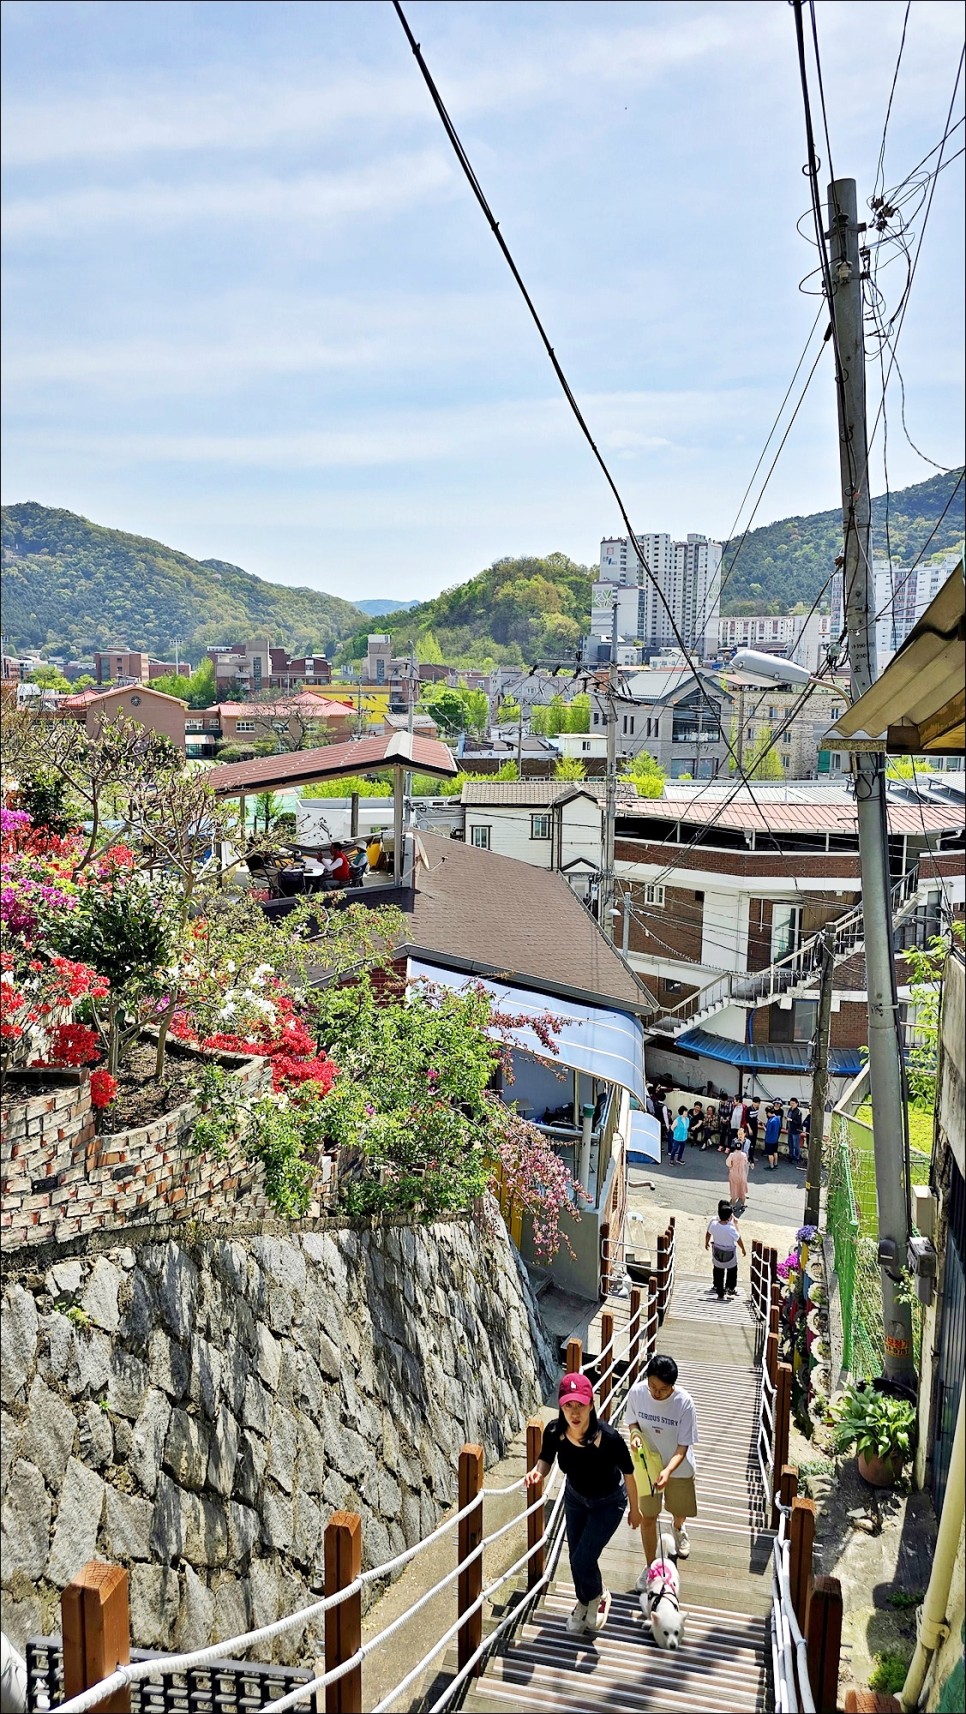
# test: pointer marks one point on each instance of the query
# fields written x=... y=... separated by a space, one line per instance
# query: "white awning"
x=644 y=1143
x=604 y=1044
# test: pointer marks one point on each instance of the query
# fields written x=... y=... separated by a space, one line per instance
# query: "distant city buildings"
x=254 y=666
x=678 y=603
x=901 y=594
x=130 y=666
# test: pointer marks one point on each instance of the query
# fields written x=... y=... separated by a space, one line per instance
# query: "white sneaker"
x=682 y=1543
x=641 y=1583
x=603 y=1608
x=577 y=1624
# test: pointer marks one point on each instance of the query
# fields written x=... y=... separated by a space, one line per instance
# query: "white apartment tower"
x=686 y=574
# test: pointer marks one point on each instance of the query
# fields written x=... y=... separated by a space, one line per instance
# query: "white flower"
x=228 y=1010
x=231 y=965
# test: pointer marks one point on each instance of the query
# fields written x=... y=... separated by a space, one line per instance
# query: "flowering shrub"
x=788 y=1266
x=74 y=1044
x=103 y=1089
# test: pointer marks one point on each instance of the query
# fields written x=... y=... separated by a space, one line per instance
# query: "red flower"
x=103 y=1089
x=74 y=1044
x=288 y=1071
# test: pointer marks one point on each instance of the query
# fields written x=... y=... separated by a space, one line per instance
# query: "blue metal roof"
x=602 y=1043
x=768 y=1056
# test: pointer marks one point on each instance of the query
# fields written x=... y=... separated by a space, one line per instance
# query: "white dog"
x=660 y=1604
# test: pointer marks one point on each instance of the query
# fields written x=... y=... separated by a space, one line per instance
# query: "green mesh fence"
x=852 y=1226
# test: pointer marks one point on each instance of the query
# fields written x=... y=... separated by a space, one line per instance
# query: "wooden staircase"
x=725 y=1661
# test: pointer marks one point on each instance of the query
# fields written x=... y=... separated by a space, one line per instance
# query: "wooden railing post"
x=802 y=1540
x=342 y=1562
x=604 y=1258
x=653 y=1317
x=774 y=1311
x=536 y=1521
x=96 y=1629
x=788 y=1484
x=662 y=1275
x=771 y=1358
x=606 y=1382
x=575 y=1355
x=469 y=1535
x=783 y=1414
x=634 y=1341
x=823 y=1635
x=756 y=1276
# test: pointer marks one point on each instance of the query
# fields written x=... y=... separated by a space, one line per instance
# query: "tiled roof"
x=494 y=916
x=305 y=702
x=301 y=767
x=524 y=792
x=83 y=698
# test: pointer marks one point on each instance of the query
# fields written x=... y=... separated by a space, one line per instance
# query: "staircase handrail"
x=802 y=965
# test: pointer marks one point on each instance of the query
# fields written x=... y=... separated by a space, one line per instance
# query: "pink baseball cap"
x=577 y=1388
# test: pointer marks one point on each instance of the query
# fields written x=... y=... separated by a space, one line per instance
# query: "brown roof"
x=302 y=767
x=834 y=817
x=83 y=698
x=496 y=917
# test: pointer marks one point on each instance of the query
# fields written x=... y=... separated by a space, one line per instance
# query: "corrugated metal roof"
x=302 y=767
x=767 y=1056
x=520 y=792
x=838 y=817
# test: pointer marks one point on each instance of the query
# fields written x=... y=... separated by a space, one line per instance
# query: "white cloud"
x=387 y=185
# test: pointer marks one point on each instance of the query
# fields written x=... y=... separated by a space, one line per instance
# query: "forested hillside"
x=784 y=563
x=70 y=586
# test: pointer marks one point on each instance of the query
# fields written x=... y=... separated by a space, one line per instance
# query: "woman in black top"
x=598 y=1466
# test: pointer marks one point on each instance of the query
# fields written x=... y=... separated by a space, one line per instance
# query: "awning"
x=793 y=1057
x=644 y=1143
x=604 y=1044
x=918 y=706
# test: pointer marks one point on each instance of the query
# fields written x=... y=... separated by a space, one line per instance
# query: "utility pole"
x=610 y=801
x=816 y=1123
x=868 y=768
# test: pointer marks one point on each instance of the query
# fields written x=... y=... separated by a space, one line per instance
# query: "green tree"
x=268 y=807
x=510 y=712
x=49 y=678
x=447 y=707
x=646 y=773
x=429 y=651
x=201 y=690
x=84 y=682
x=763 y=762
x=477 y=705
x=569 y=768
x=578 y=713
x=172 y=684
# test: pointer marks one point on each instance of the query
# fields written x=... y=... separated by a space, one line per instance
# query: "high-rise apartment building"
x=901 y=595
x=682 y=593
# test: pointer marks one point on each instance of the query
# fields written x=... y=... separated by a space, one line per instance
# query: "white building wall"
x=688 y=576
x=724 y=934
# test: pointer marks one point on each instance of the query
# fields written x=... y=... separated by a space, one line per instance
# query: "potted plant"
x=881 y=1429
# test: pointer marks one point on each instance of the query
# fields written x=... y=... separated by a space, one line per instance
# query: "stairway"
x=796 y=974
x=725 y=1661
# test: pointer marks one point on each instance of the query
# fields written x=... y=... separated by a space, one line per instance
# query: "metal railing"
x=801 y=968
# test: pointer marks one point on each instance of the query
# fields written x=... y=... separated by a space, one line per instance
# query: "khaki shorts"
x=679 y=1498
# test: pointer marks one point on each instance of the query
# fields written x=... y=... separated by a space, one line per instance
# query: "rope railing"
x=793 y=1690
x=615 y=1371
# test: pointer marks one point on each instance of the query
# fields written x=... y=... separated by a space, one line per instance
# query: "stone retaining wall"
x=59 y=1180
x=196 y=1410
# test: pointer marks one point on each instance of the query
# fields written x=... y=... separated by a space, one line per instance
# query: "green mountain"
x=787 y=562
x=517 y=611
x=70 y=586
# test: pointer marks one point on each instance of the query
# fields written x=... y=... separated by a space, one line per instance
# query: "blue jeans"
x=590 y=1525
x=678 y=1147
x=794 y=1152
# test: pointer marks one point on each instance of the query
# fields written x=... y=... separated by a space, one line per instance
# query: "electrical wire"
x=494 y=225
x=880 y=168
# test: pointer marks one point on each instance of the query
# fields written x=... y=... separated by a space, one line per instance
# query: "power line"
x=493 y=223
x=880 y=169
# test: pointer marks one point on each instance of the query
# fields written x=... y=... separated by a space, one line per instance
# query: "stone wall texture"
x=195 y=1411
x=60 y=1180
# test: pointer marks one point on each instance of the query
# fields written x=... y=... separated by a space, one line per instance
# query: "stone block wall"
x=196 y=1410
x=59 y=1180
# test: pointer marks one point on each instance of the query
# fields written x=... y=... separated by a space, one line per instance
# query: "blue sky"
x=253 y=310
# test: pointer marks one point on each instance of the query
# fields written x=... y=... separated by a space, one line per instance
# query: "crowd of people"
x=730 y=1124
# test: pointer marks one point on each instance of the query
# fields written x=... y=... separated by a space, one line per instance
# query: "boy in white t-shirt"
x=663 y=1428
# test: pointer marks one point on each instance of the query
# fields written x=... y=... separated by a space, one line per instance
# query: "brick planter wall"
x=60 y=1180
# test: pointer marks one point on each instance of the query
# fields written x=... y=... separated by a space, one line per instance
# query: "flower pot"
x=879 y=1472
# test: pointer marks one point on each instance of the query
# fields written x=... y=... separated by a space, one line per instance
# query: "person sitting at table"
x=336 y=866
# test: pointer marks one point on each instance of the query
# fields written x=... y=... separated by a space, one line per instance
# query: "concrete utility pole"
x=885 y=1075
x=610 y=800
x=816 y=1123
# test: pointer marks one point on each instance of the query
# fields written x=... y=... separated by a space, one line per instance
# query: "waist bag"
x=723 y=1258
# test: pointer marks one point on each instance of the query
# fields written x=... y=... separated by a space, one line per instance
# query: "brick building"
x=152 y=709
x=257 y=665
x=131 y=666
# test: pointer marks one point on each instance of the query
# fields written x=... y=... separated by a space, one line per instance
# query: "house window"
x=540 y=827
x=835 y=760
x=596 y=718
x=653 y=895
x=245 y=726
x=480 y=837
x=795 y=1023
x=585 y=744
x=774 y=713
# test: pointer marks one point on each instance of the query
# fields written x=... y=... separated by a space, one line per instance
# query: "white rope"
x=293 y=1697
x=162 y=1665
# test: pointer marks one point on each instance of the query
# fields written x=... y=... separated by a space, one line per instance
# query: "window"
x=245 y=726
x=794 y=1023
x=699 y=898
x=480 y=837
x=596 y=718
x=835 y=711
x=653 y=895
x=585 y=744
x=774 y=713
x=540 y=826
x=835 y=760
